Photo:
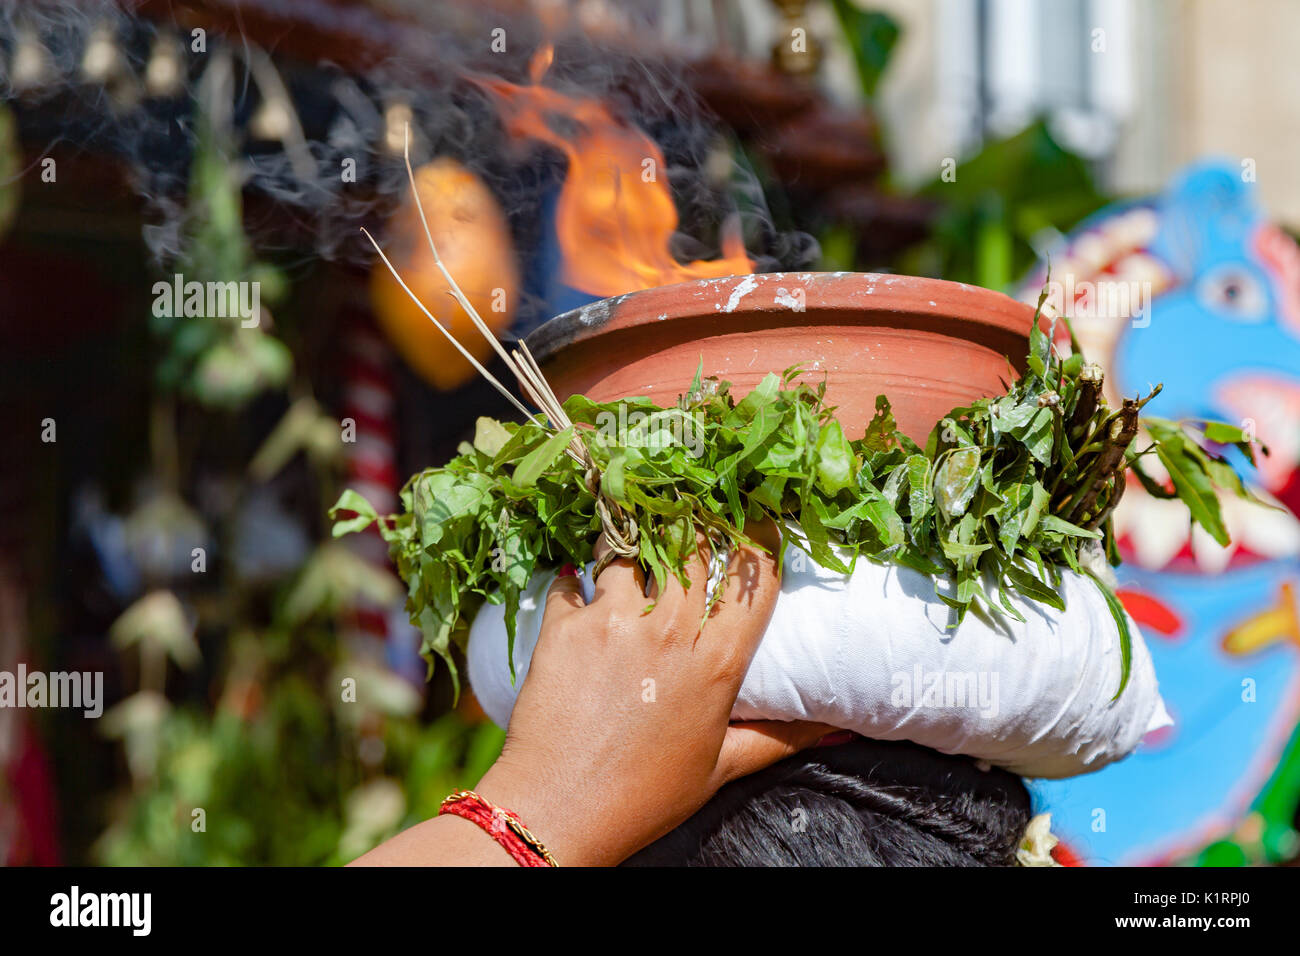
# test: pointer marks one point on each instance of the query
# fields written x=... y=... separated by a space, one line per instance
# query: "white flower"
x=1036 y=845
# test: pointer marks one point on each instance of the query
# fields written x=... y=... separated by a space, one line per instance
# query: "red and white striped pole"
x=369 y=400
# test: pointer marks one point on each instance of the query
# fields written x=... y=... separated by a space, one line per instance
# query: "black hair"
x=861 y=803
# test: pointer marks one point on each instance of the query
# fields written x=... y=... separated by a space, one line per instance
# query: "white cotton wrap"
x=871 y=652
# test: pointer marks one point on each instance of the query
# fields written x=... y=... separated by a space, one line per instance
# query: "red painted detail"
x=1151 y=613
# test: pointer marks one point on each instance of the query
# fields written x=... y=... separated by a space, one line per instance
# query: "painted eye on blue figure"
x=1234 y=293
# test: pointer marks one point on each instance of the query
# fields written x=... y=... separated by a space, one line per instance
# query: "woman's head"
x=862 y=803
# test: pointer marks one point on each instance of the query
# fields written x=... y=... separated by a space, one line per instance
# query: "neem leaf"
x=435 y=622
x=762 y=396
x=490 y=435
x=524 y=439
x=818 y=540
x=1040 y=347
x=352 y=501
x=1036 y=364
x=1149 y=484
x=1036 y=433
x=442 y=498
x=1225 y=476
x=1225 y=434
x=835 y=463
x=1038 y=502
x=759 y=430
x=877 y=512
x=956 y=551
x=1051 y=522
x=1121 y=623
x=1193 y=486
x=1018 y=497
x=917 y=561
x=532 y=465
x=611 y=479
x=956 y=480
x=881 y=429
x=1031 y=587
x=1011 y=416
x=918 y=498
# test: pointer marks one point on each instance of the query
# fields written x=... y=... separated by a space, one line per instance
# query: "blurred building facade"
x=1143 y=89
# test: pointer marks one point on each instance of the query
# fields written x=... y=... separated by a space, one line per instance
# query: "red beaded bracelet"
x=501 y=825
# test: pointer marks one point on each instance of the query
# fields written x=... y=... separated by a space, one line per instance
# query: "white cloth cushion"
x=871 y=652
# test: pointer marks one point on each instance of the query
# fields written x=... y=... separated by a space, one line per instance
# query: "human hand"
x=621 y=731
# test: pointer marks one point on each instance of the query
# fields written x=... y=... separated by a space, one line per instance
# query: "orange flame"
x=615 y=215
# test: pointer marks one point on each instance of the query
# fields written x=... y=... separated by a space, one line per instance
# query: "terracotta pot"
x=927 y=344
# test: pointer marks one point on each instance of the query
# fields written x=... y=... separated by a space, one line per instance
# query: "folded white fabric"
x=871 y=652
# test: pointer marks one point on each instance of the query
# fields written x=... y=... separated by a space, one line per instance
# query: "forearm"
x=442 y=841
x=450 y=840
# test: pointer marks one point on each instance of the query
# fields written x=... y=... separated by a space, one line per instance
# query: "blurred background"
x=165 y=485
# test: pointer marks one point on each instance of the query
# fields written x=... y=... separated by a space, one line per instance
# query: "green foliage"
x=305 y=756
x=1005 y=492
x=871 y=36
x=214 y=359
x=997 y=202
x=284 y=786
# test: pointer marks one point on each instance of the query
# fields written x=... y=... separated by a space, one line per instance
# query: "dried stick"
x=1110 y=460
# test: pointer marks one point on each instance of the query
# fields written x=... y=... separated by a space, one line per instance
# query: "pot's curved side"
x=927 y=344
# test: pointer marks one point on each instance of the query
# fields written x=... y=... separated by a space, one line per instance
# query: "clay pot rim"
x=896 y=299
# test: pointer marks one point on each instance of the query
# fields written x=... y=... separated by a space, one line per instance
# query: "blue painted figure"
x=1195 y=289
